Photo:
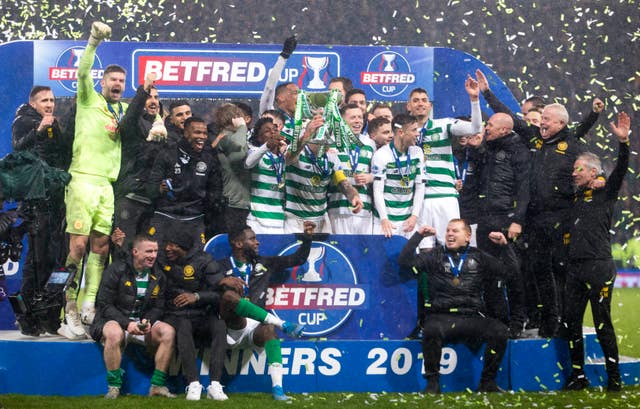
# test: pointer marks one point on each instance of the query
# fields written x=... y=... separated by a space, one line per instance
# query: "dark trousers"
x=591 y=281
x=132 y=217
x=206 y=328
x=547 y=254
x=468 y=329
x=235 y=217
x=504 y=299
x=161 y=226
x=46 y=241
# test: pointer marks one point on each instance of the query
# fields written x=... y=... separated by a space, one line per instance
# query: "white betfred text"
x=307 y=297
x=203 y=71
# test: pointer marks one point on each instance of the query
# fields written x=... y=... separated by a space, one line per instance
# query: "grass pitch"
x=592 y=398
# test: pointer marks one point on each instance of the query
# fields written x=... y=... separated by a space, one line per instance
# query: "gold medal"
x=456 y=281
x=281 y=185
x=315 y=180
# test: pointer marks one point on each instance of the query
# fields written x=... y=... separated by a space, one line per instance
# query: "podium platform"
x=42 y=366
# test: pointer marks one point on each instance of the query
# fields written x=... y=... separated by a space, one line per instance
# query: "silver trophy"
x=312 y=275
x=317 y=64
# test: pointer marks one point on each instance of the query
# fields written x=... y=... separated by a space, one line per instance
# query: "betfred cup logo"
x=321 y=293
x=388 y=74
x=66 y=69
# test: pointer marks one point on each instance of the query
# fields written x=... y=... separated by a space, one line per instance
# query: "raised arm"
x=621 y=131
x=592 y=117
x=269 y=92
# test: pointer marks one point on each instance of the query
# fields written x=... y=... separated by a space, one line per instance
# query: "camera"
x=41 y=313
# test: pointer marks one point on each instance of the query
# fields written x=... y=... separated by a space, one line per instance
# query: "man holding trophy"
x=311 y=166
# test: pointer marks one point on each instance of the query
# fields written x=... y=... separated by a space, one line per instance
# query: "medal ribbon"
x=242 y=274
x=119 y=115
x=277 y=164
x=354 y=156
x=405 y=177
x=422 y=136
x=461 y=173
x=456 y=269
x=324 y=170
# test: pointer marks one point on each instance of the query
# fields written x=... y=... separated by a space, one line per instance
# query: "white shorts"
x=242 y=338
x=259 y=228
x=350 y=224
x=397 y=231
x=437 y=212
x=294 y=224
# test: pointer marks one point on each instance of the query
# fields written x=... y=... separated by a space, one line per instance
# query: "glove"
x=158 y=132
x=99 y=31
x=289 y=47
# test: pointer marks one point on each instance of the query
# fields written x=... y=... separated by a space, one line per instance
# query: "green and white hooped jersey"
x=337 y=200
x=142 y=283
x=398 y=195
x=307 y=184
x=435 y=142
x=267 y=193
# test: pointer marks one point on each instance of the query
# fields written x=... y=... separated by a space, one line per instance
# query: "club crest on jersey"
x=321 y=293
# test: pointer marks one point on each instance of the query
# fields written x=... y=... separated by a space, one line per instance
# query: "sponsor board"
x=388 y=74
x=349 y=287
x=229 y=71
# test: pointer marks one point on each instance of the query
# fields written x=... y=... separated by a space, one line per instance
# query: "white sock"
x=273 y=320
x=275 y=371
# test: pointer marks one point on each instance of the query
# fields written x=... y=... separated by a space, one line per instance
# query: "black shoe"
x=489 y=386
x=614 y=385
x=576 y=383
x=548 y=330
x=28 y=325
x=416 y=333
x=433 y=387
x=515 y=332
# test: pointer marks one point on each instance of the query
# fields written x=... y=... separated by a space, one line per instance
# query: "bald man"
x=503 y=196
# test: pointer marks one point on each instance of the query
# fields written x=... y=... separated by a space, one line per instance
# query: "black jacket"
x=468 y=196
x=592 y=212
x=116 y=297
x=529 y=132
x=551 y=187
x=194 y=273
x=138 y=155
x=51 y=145
x=268 y=269
x=174 y=134
x=433 y=270
x=504 y=179
x=195 y=176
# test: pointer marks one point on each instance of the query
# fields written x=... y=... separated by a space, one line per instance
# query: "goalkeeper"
x=94 y=166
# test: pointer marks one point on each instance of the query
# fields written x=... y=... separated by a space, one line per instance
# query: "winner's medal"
x=456 y=269
x=315 y=180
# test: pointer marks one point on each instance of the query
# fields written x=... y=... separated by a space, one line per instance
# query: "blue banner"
x=350 y=287
x=192 y=70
